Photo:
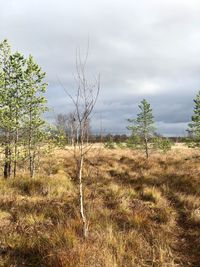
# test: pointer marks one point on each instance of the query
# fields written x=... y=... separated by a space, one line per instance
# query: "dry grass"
x=141 y=213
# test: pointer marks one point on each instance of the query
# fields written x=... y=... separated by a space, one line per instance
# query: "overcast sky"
x=142 y=49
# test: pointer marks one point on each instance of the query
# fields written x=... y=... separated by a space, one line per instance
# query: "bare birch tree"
x=84 y=102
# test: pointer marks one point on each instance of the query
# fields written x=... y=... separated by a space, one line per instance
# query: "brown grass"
x=141 y=213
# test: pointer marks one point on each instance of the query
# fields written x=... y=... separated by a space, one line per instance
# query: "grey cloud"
x=141 y=48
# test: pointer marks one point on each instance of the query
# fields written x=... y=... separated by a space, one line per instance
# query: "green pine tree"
x=22 y=104
x=17 y=99
x=194 y=126
x=6 y=107
x=35 y=106
x=143 y=126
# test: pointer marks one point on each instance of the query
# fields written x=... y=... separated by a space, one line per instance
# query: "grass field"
x=141 y=213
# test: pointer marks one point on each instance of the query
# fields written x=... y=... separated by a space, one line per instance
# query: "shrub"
x=163 y=144
x=110 y=145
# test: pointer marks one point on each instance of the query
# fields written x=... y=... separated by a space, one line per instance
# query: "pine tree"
x=6 y=110
x=194 y=126
x=143 y=126
x=11 y=104
x=22 y=104
x=35 y=106
x=17 y=99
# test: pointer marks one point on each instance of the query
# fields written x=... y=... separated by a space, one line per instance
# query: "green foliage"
x=115 y=145
x=110 y=145
x=135 y=140
x=121 y=145
x=163 y=144
x=22 y=104
x=142 y=128
x=194 y=126
x=60 y=139
x=35 y=106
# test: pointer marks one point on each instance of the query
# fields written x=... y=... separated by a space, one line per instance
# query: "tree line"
x=143 y=134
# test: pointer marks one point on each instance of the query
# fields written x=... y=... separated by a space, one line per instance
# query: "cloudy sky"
x=142 y=49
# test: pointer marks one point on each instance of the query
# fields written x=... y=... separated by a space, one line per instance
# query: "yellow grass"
x=141 y=213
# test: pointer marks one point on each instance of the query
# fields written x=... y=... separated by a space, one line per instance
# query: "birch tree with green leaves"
x=143 y=126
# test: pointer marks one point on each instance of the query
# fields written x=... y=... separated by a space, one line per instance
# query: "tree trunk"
x=146 y=148
x=31 y=152
x=31 y=164
x=15 y=155
x=7 y=164
x=82 y=212
x=7 y=153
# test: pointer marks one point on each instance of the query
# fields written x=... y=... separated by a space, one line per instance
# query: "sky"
x=142 y=49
